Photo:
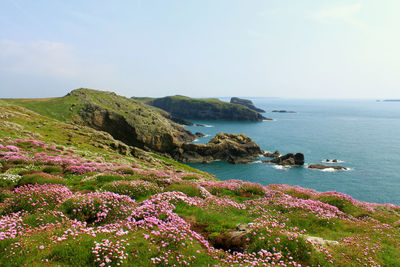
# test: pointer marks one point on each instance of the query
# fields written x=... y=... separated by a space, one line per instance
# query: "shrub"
x=97 y=208
x=33 y=197
x=134 y=189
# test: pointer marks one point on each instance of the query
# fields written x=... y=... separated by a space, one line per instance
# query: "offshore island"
x=96 y=179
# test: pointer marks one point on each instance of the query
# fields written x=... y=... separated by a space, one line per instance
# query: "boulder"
x=289 y=159
x=272 y=155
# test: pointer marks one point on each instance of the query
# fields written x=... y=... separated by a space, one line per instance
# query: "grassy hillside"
x=70 y=196
x=205 y=109
x=125 y=119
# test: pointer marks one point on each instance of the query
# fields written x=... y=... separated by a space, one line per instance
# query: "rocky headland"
x=205 y=109
x=139 y=125
x=247 y=103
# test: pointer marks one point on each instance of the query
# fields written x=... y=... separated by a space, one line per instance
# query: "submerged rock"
x=331 y=161
x=284 y=111
x=322 y=167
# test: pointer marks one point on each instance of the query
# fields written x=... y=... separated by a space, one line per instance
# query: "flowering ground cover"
x=68 y=199
x=59 y=207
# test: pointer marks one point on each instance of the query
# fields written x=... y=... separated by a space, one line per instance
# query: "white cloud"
x=43 y=57
x=53 y=60
x=346 y=13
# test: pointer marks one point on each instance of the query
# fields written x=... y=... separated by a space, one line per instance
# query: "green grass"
x=215 y=221
x=38 y=179
x=190 y=190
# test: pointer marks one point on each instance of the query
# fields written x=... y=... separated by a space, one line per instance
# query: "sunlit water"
x=364 y=134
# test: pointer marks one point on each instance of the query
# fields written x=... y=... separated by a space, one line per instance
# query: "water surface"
x=364 y=134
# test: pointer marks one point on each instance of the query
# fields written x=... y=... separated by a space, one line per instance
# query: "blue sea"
x=363 y=134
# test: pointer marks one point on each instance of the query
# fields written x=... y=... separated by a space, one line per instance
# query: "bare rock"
x=322 y=167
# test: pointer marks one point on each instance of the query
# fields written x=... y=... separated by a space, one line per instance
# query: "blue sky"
x=282 y=48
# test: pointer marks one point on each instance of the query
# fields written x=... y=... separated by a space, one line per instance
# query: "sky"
x=201 y=48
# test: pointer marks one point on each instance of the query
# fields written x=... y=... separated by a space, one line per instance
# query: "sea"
x=363 y=135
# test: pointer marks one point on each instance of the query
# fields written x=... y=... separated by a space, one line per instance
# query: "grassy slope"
x=367 y=234
x=147 y=122
x=19 y=122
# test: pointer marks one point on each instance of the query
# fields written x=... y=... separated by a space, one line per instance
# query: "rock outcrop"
x=322 y=167
x=247 y=103
x=233 y=148
x=289 y=159
x=205 y=109
x=198 y=134
x=234 y=240
x=283 y=111
x=273 y=154
x=331 y=161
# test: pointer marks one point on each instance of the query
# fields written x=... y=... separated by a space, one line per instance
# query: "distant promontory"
x=205 y=109
x=247 y=103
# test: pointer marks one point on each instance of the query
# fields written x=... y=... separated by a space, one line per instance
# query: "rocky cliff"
x=247 y=103
x=205 y=109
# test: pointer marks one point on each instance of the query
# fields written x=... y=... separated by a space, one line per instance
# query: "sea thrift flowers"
x=96 y=208
x=133 y=189
x=33 y=197
x=108 y=253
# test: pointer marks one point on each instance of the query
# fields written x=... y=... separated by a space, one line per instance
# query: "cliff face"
x=247 y=103
x=129 y=121
x=205 y=109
